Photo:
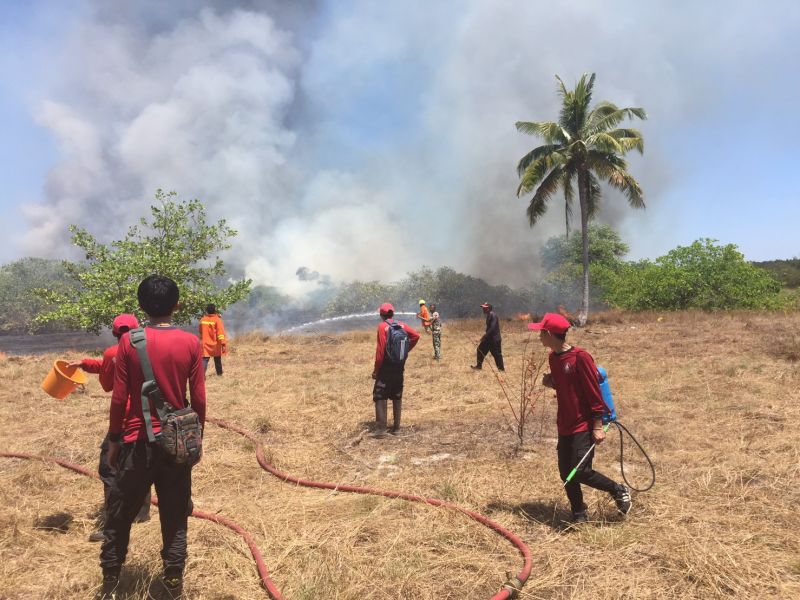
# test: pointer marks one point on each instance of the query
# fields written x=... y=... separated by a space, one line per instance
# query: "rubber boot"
x=380 y=418
x=174 y=586
x=396 y=409
x=108 y=591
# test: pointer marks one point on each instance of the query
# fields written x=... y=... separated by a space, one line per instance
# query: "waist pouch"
x=181 y=437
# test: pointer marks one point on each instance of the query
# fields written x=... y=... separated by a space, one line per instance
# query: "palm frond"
x=533 y=155
x=625 y=182
x=562 y=89
x=552 y=133
x=629 y=139
x=605 y=143
x=575 y=105
x=538 y=204
x=536 y=172
x=606 y=116
x=605 y=163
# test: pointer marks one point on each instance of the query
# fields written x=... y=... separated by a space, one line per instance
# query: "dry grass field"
x=713 y=398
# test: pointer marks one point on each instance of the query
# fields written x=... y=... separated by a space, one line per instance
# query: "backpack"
x=610 y=413
x=397 y=346
x=181 y=435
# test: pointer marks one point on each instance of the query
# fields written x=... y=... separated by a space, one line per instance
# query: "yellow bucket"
x=62 y=380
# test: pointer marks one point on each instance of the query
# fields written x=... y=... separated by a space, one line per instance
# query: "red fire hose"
x=272 y=590
x=509 y=588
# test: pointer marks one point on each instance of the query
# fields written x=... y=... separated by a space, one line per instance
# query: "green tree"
x=177 y=242
x=360 y=297
x=562 y=259
x=605 y=248
x=20 y=306
x=702 y=275
x=584 y=147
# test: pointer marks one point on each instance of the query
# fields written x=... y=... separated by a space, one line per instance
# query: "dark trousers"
x=142 y=464
x=495 y=348
x=107 y=475
x=571 y=449
x=217 y=364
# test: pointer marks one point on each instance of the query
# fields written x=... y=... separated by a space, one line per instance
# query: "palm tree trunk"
x=583 y=195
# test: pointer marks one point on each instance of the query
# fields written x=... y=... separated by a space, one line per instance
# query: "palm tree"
x=582 y=146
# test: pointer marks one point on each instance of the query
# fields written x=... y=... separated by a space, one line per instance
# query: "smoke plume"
x=361 y=140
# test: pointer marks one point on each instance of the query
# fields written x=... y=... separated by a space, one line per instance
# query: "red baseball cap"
x=485 y=305
x=551 y=323
x=129 y=321
x=386 y=308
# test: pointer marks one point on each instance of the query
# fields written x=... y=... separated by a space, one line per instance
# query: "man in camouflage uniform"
x=436 y=331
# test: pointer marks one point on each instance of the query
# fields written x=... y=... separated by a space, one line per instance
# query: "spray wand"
x=585 y=456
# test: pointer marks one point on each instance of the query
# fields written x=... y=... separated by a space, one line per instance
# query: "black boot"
x=174 y=585
x=396 y=410
x=110 y=584
x=380 y=418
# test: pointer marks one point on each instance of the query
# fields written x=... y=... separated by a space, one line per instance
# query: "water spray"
x=297 y=328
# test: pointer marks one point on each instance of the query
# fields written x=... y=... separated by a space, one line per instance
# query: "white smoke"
x=362 y=139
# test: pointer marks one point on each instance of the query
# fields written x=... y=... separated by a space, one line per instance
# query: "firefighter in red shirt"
x=212 y=335
x=105 y=370
x=176 y=359
x=574 y=377
x=388 y=371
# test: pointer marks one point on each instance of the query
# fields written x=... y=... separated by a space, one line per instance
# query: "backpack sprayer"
x=609 y=418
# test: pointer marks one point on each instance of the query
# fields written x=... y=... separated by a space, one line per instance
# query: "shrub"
x=703 y=275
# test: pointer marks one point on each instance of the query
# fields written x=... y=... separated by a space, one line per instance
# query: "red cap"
x=485 y=305
x=552 y=323
x=129 y=321
x=386 y=308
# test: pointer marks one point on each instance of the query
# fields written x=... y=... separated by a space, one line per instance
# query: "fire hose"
x=272 y=590
x=509 y=589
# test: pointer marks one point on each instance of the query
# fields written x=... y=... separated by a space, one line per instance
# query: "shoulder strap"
x=139 y=341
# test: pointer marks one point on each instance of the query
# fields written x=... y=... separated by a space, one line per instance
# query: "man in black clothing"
x=491 y=341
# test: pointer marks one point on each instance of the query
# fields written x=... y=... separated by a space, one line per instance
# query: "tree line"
x=704 y=275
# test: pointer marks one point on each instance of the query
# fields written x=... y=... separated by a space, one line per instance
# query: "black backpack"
x=397 y=345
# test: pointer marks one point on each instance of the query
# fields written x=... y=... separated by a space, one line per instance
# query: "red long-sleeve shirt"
x=104 y=369
x=177 y=360
x=578 y=392
x=380 y=350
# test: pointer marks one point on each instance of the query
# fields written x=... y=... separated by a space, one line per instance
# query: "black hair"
x=560 y=336
x=158 y=295
x=388 y=315
x=121 y=330
x=211 y=309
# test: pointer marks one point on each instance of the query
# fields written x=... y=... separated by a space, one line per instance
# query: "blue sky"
x=352 y=114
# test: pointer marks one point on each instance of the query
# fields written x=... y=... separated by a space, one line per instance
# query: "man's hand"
x=547 y=381
x=598 y=432
x=74 y=365
x=113 y=454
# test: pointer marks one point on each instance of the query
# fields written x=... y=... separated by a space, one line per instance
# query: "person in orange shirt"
x=212 y=336
x=424 y=315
